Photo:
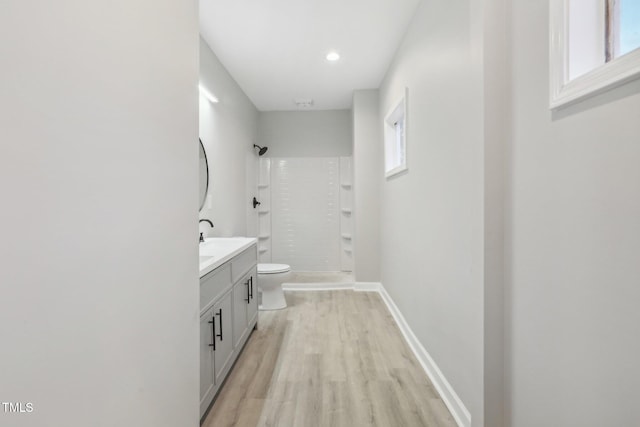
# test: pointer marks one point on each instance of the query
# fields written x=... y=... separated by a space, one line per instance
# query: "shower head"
x=262 y=149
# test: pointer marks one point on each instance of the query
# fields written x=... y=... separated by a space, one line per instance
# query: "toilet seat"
x=273 y=268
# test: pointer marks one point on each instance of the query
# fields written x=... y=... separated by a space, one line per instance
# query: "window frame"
x=612 y=21
x=395 y=152
x=565 y=91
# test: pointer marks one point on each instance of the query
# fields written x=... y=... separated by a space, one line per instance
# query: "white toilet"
x=270 y=280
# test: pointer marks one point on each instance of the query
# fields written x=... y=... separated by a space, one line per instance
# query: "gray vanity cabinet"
x=252 y=307
x=245 y=306
x=216 y=347
x=207 y=382
x=228 y=312
x=223 y=337
x=240 y=304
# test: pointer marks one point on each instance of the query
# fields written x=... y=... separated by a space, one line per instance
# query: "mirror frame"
x=206 y=162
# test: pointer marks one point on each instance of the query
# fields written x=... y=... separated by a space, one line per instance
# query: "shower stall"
x=304 y=216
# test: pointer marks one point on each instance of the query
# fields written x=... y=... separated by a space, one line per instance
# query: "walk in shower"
x=305 y=215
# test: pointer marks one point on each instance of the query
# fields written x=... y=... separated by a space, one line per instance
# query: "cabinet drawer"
x=214 y=284
x=242 y=263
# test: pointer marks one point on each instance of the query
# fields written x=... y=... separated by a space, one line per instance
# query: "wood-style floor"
x=332 y=358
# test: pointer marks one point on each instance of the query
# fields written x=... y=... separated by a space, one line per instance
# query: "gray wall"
x=99 y=178
x=574 y=237
x=432 y=239
x=367 y=169
x=305 y=133
x=515 y=228
x=496 y=98
x=228 y=130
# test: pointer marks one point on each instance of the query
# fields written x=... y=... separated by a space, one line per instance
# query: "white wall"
x=228 y=131
x=305 y=133
x=367 y=170
x=574 y=239
x=431 y=218
x=99 y=179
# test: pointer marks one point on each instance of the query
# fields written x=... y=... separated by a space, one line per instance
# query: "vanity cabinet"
x=245 y=306
x=216 y=346
x=207 y=382
x=252 y=307
x=228 y=314
x=222 y=337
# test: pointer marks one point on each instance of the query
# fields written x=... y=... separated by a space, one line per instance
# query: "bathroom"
x=505 y=255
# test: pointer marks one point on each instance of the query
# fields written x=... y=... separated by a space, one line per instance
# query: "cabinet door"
x=223 y=336
x=240 y=303
x=206 y=360
x=252 y=306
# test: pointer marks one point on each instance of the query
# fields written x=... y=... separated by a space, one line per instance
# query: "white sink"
x=215 y=251
x=205 y=260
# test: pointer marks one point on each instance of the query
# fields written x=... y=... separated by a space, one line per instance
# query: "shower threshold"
x=321 y=277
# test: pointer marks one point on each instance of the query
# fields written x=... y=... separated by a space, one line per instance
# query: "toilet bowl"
x=270 y=280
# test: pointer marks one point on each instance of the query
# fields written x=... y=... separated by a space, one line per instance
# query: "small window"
x=594 y=46
x=395 y=138
x=622 y=20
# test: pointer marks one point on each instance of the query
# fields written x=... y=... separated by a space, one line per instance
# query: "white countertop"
x=215 y=251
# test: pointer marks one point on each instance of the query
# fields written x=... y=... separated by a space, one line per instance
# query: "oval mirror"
x=204 y=175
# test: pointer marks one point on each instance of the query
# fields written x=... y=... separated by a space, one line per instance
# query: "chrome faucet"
x=201 y=234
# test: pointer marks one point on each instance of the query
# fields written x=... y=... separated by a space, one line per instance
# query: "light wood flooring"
x=333 y=358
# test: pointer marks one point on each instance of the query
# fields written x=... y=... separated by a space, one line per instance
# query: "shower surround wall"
x=305 y=213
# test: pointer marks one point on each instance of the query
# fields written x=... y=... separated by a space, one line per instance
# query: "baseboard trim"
x=459 y=412
x=367 y=286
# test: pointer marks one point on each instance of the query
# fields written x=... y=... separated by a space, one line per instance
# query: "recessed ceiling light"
x=333 y=56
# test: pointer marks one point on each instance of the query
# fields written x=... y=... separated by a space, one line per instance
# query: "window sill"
x=395 y=171
x=607 y=76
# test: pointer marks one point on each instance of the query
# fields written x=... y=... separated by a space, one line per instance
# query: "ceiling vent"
x=303 y=104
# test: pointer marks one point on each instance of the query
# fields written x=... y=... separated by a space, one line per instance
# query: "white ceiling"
x=275 y=49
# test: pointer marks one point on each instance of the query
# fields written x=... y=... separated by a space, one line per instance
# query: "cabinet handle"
x=213 y=333
x=251 y=293
x=248 y=294
x=219 y=313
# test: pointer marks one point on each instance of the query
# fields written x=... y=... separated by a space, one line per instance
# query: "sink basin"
x=214 y=251
x=205 y=262
x=220 y=246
